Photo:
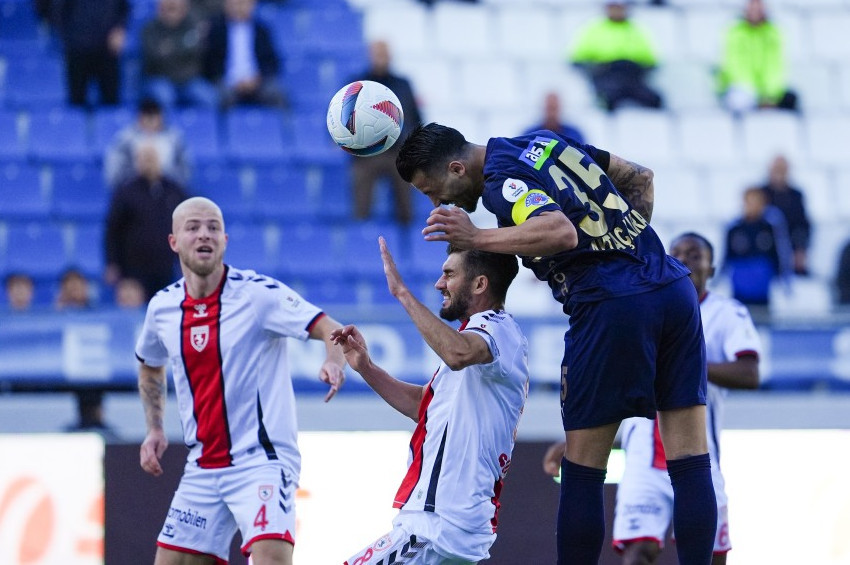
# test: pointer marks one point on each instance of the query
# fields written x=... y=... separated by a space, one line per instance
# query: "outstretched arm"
x=333 y=369
x=402 y=396
x=152 y=388
x=635 y=183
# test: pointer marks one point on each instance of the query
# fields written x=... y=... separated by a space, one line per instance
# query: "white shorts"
x=400 y=546
x=644 y=509
x=211 y=504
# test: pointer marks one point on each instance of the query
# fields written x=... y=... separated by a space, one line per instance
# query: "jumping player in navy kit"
x=579 y=218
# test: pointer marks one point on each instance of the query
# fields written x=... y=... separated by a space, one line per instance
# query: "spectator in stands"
x=366 y=172
x=843 y=277
x=172 y=58
x=241 y=58
x=752 y=72
x=20 y=292
x=552 y=119
x=617 y=55
x=74 y=291
x=138 y=223
x=93 y=34
x=789 y=200
x=758 y=249
x=130 y=294
x=90 y=415
x=149 y=128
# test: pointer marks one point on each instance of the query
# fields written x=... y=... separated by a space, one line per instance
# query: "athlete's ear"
x=172 y=241
x=457 y=168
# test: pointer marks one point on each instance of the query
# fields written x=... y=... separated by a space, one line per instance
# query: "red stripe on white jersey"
x=659 y=458
x=417 y=442
x=201 y=353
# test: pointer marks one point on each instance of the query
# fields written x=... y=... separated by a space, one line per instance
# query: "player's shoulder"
x=492 y=321
x=171 y=295
x=725 y=305
x=253 y=283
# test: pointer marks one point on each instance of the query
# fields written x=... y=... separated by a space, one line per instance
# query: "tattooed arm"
x=152 y=388
x=635 y=184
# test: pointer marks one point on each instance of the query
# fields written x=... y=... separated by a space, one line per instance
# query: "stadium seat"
x=842 y=181
x=333 y=30
x=335 y=196
x=283 y=194
x=361 y=254
x=820 y=191
x=768 y=133
x=254 y=135
x=724 y=189
x=665 y=29
x=18 y=20
x=248 y=247
x=311 y=82
x=87 y=250
x=34 y=83
x=679 y=195
x=381 y=21
x=705 y=29
x=645 y=136
x=12 y=147
x=79 y=193
x=200 y=131
x=686 y=86
x=60 y=135
x=489 y=84
x=313 y=144
x=709 y=138
x=308 y=252
x=530 y=26
x=428 y=76
x=106 y=122
x=828 y=35
x=815 y=83
x=828 y=137
x=223 y=185
x=844 y=86
x=461 y=30
x=426 y=257
x=22 y=196
x=38 y=249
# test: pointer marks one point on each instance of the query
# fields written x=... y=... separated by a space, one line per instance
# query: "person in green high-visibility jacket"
x=752 y=72
x=617 y=55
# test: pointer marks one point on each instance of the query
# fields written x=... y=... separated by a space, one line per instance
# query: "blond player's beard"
x=198 y=268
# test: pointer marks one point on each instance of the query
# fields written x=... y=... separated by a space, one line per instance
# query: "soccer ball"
x=365 y=118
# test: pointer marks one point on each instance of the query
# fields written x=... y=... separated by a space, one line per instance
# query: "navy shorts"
x=632 y=356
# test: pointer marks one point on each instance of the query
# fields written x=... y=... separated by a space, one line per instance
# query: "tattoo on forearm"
x=153 y=398
x=635 y=183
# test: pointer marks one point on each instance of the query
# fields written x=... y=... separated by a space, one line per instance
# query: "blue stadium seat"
x=283 y=193
x=200 y=129
x=426 y=256
x=37 y=249
x=361 y=254
x=335 y=198
x=87 y=251
x=313 y=143
x=308 y=252
x=18 y=20
x=79 y=193
x=254 y=135
x=329 y=293
x=223 y=185
x=22 y=197
x=247 y=249
x=106 y=122
x=12 y=146
x=60 y=135
x=35 y=82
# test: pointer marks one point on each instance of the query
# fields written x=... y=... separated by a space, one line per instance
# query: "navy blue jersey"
x=618 y=253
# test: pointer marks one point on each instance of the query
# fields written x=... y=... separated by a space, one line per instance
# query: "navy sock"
x=581 y=515
x=694 y=509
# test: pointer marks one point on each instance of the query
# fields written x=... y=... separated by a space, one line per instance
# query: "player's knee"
x=641 y=553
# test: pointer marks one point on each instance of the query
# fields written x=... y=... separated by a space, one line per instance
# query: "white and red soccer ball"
x=365 y=118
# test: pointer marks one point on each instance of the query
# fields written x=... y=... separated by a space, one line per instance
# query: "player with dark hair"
x=644 y=496
x=224 y=331
x=579 y=218
x=466 y=416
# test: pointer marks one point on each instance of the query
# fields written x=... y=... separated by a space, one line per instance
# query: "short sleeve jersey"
x=729 y=334
x=618 y=252
x=228 y=357
x=461 y=448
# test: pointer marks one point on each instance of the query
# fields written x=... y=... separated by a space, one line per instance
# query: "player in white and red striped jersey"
x=467 y=415
x=223 y=330
x=644 y=496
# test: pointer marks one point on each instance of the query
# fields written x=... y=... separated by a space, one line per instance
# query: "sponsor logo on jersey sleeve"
x=512 y=189
x=523 y=208
x=538 y=151
x=265 y=492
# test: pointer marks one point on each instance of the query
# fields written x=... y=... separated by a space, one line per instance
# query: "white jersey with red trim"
x=461 y=448
x=229 y=361
x=729 y=334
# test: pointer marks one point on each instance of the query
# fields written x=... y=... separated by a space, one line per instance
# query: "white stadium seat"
x=381 y=21
x=828 y=32
x=709 y=138
x=704 y=30
x=686 y=85
x=815 y=83
x=665 y=29
x=828 y=137
x=767 y=133
x=679 y=195
x=644 y=136
x=461 y=30
x=488 y=84
x=526 y=33
x=724 y=189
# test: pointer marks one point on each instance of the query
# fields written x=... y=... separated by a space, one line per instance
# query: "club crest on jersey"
x=265 y=492
x=200 y=311
x=383 y=543
x=199 y=337
x=512 y=189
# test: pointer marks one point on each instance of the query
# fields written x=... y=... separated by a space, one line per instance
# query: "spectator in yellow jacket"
x=752 y=73
x=617 y=55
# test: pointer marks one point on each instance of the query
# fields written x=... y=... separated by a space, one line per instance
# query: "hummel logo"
x=200 y=311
